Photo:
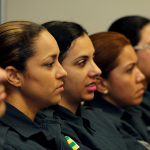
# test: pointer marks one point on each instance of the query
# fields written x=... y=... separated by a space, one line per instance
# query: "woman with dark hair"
x=137 y=30
x=84 y=124
x=131 y=27
x=29 y=55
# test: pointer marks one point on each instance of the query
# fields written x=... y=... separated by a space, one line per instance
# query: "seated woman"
x=120 y=85
x=137 y=30
x=2 y=92
x=87 y=125
x=29 y=55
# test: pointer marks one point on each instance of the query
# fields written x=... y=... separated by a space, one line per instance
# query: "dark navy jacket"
x=93 y=129
x=130 y=119
x=18 y=132
x=144 y=107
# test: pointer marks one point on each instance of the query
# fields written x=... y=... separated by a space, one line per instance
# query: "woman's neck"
x=22 y=105
x=70 y=105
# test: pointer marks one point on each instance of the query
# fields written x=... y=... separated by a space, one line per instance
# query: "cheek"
x=40 y=78
x=144 y=63
x=143 y=57
x=122 y=84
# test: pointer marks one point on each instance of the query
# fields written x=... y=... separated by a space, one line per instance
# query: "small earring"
x=106 y=91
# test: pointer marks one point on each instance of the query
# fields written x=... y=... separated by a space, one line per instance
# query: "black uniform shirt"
x=122 y=118
x=97 y=133
x=145 y=108
x=71 y=140
x=135 y=119
x=18 y=132
x=131 y=115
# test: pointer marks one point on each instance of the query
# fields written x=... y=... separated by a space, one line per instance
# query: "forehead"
x=46 y=43
x=145 y=35
x=81 y=46
x=127 y=56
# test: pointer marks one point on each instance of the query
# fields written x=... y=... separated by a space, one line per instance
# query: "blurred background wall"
x=94 y=15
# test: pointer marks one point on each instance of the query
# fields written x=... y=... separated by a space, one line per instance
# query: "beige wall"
x=94 y=15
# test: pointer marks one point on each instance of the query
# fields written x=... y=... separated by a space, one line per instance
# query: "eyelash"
x=49 y=64
x=129 y=70
x=81 y=63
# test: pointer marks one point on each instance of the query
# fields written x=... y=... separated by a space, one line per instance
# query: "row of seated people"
x=52 y=68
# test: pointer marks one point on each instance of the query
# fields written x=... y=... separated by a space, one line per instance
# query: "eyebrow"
x=84 y=56
x=131 y=64
x=81 y=57
x=53 y=56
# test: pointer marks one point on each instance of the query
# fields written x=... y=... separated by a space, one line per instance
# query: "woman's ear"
x=101 y=86
x=13 y=76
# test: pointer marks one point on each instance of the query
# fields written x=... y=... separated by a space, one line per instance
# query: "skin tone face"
x=41 y=83
x=2 y=92
x=124 y=83
x=144 y=54
x=81 y=71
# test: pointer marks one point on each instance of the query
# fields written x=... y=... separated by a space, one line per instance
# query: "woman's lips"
x=60 y=88
x=91 y=87
x=141 y=91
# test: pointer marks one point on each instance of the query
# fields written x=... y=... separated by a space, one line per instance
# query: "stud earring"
x=106 y=91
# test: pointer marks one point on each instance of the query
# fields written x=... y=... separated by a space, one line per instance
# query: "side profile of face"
x=2 y=92
x=144 y=54
x=124 y=82
x=42 y=80
x=81 y=71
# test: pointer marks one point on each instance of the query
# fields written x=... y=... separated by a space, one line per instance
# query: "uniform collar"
x=81 y=117
x=108 y=107
x=115 y=111
x=19 y=122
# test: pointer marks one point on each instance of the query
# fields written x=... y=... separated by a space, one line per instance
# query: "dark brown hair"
x=65 y=33
x=108 y=46
x=17 y=43
x=130 y=26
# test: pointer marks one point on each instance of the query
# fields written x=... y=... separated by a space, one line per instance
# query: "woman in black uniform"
x=29 y=55
x=120 y=85
x=86 y=125
x=137 y=30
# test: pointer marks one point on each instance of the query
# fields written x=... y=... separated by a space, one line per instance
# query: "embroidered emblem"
x=72 y=143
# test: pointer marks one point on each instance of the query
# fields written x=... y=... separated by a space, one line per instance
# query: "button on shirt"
x=85 y=127
x=18 y=132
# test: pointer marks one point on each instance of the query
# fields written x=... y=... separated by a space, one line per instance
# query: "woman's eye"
x=129 y=70
x=49 y=64
x=81 y=63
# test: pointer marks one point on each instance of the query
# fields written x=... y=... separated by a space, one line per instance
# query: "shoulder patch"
x=72 y=143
